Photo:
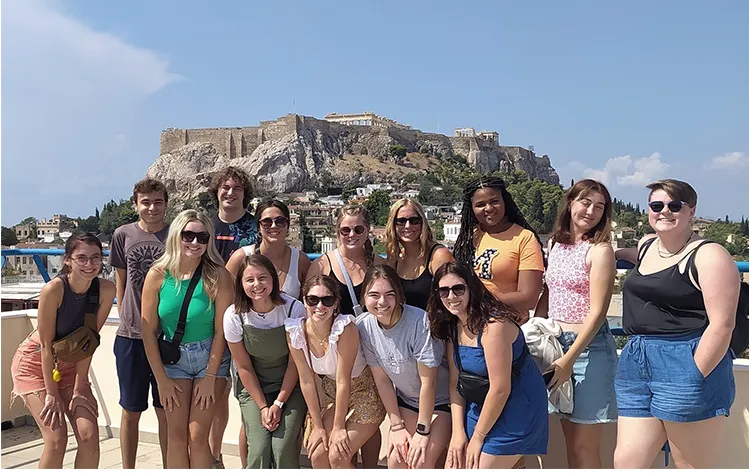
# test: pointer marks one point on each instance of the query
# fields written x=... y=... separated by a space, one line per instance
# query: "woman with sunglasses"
x=500 y=245
x=347 y=411
x=55 y=389
x=292 y=265
x=511 y=420
x=189 y=388
x=272 y=405
x=412 y=250
x=580 y=281
x=675 y=377
x=406 y=363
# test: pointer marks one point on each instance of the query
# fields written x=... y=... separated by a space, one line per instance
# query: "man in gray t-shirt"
x=398 y=351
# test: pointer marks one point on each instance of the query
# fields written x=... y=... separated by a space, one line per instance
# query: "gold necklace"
x=320 y=341
x=669 y=255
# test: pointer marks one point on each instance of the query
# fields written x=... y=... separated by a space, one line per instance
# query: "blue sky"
x=626 y=92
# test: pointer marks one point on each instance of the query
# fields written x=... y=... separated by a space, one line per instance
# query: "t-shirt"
x=500 y=257
x=398 y=350
x=229 y=237
x=233 y=322
x=134 y=250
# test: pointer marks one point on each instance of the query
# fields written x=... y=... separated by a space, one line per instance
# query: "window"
x=23 y=260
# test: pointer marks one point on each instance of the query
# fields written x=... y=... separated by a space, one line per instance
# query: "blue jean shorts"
x=657 y=377
x=193 y=361
x=594 y=399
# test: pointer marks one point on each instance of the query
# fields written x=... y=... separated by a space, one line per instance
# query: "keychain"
x=56 y=375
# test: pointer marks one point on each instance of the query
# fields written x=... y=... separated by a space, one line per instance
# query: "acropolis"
x=365 y=118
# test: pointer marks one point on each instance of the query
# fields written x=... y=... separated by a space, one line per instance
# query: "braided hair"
x=464 y=250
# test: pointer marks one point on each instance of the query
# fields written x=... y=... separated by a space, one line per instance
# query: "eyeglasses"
x=673 y=206
x=84 y=260
x=413 y=220
x=280 y=221
x=313 y=300
x=358 y=230
x=189 y=236
x=458 y=290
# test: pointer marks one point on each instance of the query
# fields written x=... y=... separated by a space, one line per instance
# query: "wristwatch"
x=422 y=429
x=279 y=404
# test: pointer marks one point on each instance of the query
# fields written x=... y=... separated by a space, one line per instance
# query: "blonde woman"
x=412 y=250
x=188 y=388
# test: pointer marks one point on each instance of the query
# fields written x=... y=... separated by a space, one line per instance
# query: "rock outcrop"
x=296 y=153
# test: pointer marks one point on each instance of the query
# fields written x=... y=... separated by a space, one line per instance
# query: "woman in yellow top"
x=500 y=245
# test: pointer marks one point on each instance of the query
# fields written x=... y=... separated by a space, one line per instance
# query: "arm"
x=318 y=267
x=720 y=285
x=459 y=439
x=304 y=266
x=232 y=266
x=526 y=296
x=348 y=347
x=234 y=332
x=120 y=278
x=417 y=454
x=399 y=437
x=542 y=307
x=50 y=300
x=602 y=271
x=440 y=256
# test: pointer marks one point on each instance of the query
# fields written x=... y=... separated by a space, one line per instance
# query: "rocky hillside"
x=297 y=153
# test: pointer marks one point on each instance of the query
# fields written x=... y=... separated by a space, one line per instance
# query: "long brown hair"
x=601 y=232
x=354 y=210
x=329 y=283
x=242 y=302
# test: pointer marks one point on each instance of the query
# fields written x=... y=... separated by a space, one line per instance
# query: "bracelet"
x=211 y=375
x=477 y=432
x=264 y=407
x=398 y=426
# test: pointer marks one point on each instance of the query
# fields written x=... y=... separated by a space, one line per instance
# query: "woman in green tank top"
x=272 y=405
x=188 y=389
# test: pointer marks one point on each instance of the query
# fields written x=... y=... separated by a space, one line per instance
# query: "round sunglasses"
x=358 y=230
x=280 y=221
x=189 y=236
x=312 y=300
x=673 y=206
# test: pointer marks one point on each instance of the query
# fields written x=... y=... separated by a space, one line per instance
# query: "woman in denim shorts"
x=675 y=378
x=188 y=389
x=580 y=280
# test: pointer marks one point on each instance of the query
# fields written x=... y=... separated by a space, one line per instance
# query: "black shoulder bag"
x=170 y=349
x=472 y=387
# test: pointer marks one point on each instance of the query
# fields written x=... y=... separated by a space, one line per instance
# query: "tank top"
x=347 y=306
x=291 y=286
x=70 y=314
x=664 y=302
x=200 y=313
x=417 y=290
x=568 y=279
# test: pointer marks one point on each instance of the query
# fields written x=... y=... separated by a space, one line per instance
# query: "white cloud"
x=68 y=89
x=625 y=171
x=731 y=161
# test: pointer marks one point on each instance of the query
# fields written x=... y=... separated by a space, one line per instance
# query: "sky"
x=624 y=92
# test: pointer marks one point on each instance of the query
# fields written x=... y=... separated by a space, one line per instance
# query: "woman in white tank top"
x=273 y=223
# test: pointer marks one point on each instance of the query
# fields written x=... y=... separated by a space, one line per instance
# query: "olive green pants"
x=278 y=449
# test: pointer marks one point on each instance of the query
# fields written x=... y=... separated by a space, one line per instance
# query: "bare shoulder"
x=713 y=256
x=645 y=239
x=154 y=277
x=106 y=286
x=53 y=289
x=500 y=331
x=602 y=250
x=443 y=254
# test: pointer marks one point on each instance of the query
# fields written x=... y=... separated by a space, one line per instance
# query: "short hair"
x=678 y=190
x=232 y=172
x=148 y=186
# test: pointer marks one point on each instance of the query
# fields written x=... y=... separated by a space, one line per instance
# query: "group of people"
x=318 y=353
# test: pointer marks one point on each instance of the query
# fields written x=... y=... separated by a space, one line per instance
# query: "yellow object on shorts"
x=56 y=375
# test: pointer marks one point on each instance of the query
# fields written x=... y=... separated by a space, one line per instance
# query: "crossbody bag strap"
x=456 y=347
x=92 y=305
x=346 y=277
x=179 y=332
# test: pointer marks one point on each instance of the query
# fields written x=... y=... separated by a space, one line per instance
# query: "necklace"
x=669 y=255
x=320 y=341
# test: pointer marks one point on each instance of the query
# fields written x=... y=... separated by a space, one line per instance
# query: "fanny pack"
x=81 y=343
x=170 y=349
x=474 y=388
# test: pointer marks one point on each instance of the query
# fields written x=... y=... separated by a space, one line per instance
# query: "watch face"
x=421 y=427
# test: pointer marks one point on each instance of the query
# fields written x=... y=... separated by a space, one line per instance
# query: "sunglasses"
x=189 y=236
x=673 y=206
x=458 y=290
x=280 y=221
x=313 y=300
x=413 y=220
x=358 y=230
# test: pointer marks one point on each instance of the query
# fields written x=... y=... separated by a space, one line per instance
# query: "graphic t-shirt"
x=134 y=250
x=229 y=237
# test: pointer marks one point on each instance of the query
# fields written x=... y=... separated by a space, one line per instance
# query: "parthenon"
x=469 y=132
x=365 y=118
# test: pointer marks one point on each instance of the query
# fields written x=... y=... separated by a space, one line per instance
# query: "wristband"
x=279 y=404
x=398 y=426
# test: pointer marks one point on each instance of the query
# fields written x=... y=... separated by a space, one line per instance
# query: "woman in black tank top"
x=412 y=251
x=675 y=377
x=49 y=387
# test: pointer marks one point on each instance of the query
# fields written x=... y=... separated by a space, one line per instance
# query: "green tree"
x=378 y=206
x=438 y=227
x=398 y=151
x=115 y=214
x=89 y=224
x=308 y=242
x=28 y=220
x=8 y=236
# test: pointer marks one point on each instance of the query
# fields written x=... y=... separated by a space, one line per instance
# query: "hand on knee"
x=319 y=459
x=393 y=463
x=336 y=462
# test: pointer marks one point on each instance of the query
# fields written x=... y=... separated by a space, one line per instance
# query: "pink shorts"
x=26 y=370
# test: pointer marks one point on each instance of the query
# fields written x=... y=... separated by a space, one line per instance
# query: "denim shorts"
x=193 y=361
x=657 y=377
x=594 y=399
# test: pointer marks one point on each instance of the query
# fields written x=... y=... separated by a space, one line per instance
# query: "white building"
x=327 y=244
x=370 y=188
x=411 y=193
x=452 y=229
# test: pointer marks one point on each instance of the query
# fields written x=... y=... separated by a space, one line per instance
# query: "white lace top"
x=328 y=363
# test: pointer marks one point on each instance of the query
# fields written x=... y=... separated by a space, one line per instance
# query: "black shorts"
x=135 y=375
x=445 y=407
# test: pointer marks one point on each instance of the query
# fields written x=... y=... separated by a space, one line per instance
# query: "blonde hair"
x=212 y=261
x=354 y=210
x=392 y=243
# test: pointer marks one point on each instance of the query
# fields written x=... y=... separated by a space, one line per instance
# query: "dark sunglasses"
x=458 y=290
x=313 y=300
x=189 y=236
x=673 y=206
x=358 y=230
x=280 y=221
x=413 y=220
